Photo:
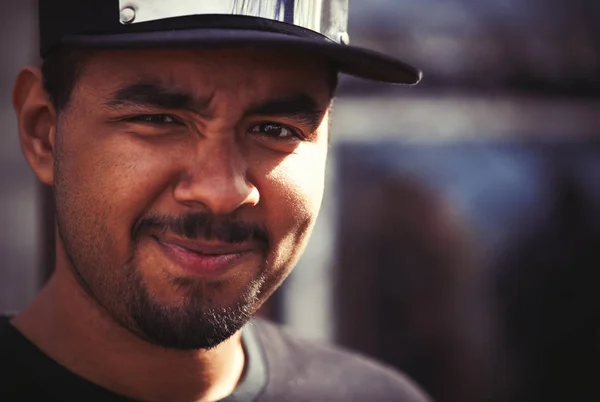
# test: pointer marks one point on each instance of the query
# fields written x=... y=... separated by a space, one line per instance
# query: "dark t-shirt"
x=279 y=368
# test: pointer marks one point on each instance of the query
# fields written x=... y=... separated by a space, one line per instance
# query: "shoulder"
x=14 y=382
x=305 y=370
x=11 y=345
x=8 y=336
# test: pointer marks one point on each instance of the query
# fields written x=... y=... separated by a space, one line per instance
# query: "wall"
x=19 y=213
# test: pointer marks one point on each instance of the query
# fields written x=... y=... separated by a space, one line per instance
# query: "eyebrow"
x=299 y=107
x=154 y=95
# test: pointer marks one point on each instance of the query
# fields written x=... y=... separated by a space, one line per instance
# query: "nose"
x=217 y=180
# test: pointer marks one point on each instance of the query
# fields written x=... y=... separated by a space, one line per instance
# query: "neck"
x=72 y=329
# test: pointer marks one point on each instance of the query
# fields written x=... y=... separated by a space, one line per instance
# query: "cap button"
x=344 y=38
x=127 y=15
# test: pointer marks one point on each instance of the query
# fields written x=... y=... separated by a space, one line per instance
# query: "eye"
x=156 y=119
x=276 y=131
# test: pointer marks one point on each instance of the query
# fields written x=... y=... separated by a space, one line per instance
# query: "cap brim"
x=356 y=61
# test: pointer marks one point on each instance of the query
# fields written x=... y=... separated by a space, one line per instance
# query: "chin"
x=197 y=322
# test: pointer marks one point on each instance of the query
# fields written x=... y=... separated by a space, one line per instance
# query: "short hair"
x=62 y=68
x=60 y=72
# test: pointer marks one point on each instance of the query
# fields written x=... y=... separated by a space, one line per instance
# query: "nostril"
x=216 y=178
x=220 y=195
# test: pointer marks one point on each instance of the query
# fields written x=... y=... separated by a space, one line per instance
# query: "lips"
x=203 y=258
x=205 y=247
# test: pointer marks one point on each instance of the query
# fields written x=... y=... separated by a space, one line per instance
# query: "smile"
x=204 y=259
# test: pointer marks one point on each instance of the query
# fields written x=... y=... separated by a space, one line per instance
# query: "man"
x=185 y=142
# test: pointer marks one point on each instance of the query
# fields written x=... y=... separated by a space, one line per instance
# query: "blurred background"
x=460 y=234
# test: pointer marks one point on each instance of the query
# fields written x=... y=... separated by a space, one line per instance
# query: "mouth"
x=203 y=258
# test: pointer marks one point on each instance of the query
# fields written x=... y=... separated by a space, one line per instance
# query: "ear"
x=37 y=121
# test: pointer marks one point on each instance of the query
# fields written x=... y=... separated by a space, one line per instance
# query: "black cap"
x=317 y=26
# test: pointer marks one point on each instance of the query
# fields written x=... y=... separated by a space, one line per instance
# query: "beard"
x=196 y=320
x=195 y=323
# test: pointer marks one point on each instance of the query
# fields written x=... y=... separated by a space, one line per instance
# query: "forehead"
x=237 y=72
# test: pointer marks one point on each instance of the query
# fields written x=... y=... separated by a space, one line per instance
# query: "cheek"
x=108 y=184
x=295 y=191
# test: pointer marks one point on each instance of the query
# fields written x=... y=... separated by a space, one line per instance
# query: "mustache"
x=204 y=225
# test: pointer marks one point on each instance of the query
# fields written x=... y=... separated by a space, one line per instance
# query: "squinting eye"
x=276 y=131
x=154 y=119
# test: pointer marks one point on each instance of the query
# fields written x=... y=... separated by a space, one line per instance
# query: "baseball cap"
x=315 y=26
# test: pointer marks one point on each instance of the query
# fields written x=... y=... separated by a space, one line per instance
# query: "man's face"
x=187 y=183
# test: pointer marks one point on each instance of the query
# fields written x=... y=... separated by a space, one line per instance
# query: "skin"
x=212 y=156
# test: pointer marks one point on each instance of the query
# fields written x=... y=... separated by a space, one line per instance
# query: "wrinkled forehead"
x=238 y=72
x=217 y=82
